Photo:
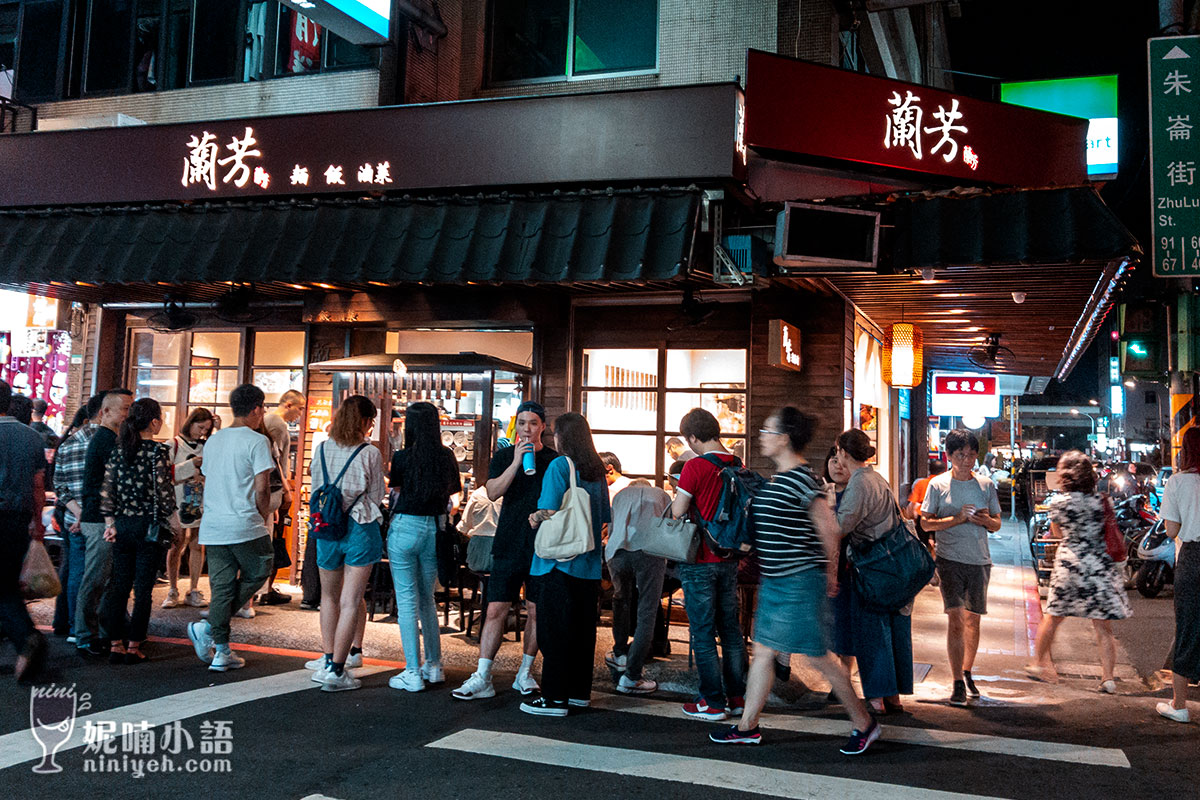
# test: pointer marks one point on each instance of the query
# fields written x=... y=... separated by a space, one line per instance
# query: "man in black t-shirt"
x=512 y=550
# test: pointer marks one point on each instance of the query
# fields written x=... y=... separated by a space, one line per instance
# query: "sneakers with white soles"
x=321 y=675
x=1171 y=712
x=640 y=686
x=354 y=660
x=408 y=681
x=202 y=641
x=340 y=683
x=172 y=600
x=317 y=663
x=225 y=660
x=579 y=702
x=433 y=672
x=195 y=599
x=524 y=683
x=475 y=687
x=245 y=613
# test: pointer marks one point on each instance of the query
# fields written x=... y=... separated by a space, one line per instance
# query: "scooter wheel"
x=1150 y=579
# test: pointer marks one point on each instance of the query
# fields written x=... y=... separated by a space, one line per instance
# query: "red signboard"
x=965 y=384
x=824 y=112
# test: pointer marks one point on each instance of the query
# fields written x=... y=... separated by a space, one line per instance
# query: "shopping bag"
x=568 y=533
x=672 y=539
x=38 y=578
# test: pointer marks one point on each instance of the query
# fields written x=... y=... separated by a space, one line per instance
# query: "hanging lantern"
x=902 y=356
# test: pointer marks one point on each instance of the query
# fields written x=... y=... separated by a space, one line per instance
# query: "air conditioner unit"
x=825 y=240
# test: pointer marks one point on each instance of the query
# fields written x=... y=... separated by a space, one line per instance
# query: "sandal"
x=116 y=655
x=1107 y=687
x=1041 y=674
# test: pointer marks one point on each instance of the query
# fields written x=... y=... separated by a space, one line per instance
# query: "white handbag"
x=569 y=532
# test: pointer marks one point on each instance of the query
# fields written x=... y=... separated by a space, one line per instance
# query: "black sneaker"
x=970 y=682
x=732 y=735
x=959 y=696
x=544 y=707
x=859 y=741
x=307 y=606
x=274 y=598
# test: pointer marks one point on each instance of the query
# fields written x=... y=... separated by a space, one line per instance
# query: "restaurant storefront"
x=630 y=280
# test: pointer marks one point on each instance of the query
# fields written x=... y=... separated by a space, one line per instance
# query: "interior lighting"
x=903 y=355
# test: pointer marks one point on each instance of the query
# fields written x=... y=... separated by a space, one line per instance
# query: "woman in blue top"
x=570 y=589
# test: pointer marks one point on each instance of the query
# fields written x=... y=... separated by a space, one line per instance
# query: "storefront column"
x=109 y=357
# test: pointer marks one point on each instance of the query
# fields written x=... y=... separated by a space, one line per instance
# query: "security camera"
x=1018 y=297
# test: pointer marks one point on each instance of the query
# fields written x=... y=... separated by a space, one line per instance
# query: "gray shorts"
x=964 y=585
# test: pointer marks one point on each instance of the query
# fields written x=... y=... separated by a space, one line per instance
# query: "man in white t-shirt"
x=237 y=499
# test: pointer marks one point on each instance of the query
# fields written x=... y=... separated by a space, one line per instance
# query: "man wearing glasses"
x=960 y=509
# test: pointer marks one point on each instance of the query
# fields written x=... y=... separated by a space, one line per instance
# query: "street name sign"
x=1174 y=155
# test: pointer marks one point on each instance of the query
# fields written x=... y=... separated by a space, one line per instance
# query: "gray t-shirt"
x=22 y=453
x=966 y=543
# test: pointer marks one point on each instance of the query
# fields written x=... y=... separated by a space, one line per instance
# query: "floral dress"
x=1085 y=582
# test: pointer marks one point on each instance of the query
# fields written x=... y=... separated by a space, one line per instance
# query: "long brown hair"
x=574 y=437
x=350 y=419
x=198 y=415
x=1189 y=453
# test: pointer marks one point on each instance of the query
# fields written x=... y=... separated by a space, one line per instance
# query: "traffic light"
x=1141 y=345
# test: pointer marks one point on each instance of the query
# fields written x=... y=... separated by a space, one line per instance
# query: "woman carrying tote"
x=1181 y=511
x=568 y=590
x=187 y=454
x=424 y=476
x=880 y=641
x=137 y=500
x=796 y=538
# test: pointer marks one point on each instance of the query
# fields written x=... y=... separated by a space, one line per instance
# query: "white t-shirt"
x=232 y=457
x=1181 y=503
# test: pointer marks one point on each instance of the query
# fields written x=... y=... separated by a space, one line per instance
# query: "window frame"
x=569 y=75
x=60 y=69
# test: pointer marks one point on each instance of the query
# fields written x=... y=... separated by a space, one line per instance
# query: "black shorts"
x=507 y=578
x=964 y=585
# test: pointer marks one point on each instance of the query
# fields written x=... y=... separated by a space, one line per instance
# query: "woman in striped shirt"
x=796 y=536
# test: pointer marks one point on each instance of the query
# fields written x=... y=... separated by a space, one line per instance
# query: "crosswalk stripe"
x=1022 y=748
x=705 y=772
x=20 y=746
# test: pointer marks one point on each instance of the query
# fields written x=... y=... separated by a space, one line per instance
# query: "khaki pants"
x=235 y=573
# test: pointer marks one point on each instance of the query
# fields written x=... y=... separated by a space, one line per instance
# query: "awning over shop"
x=1062 y=251
x=613 y=236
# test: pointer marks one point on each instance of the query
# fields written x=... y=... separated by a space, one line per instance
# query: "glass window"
x=300 y=43
x=174 y=71
x=635 y=452
x=160 y=384
x=615 y=36
x=147 y=27
x=222 y=412
x=216 y=349
x=622 y=411
x=529 y=39
x=729 y=407
x=211 y=385
x=41 y=31
x=257 y=45
x=279 y=348
x=688 y=369
x=8 y=39
x=216 y=40
x=625 y=368
x=157 y=349
x=274 y=382
x=341 y=53
x=108 y=45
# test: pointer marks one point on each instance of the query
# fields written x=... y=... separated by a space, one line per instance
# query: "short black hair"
x=700 y=424
x=936 y=466
x=40 y=406
x=611 y=460
x=94 y=404
x=5 y=396
x=960 y=440
x=117 y=390
x=20 y=408
x=797 y=426
x=245 y=398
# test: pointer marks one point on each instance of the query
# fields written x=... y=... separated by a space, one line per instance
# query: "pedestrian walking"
x=510 y=479
x=233 y=528
x=91 y=637
x=568 y=590
x=22 y=496
x=710 y=585
x=186 y=453
x=796 y=538
x=961 y=508
x=137 y=500
x=634 y=508
x=881 y=642
x=424 y=475
x=349 y=461
x=1084 y=582
x=1181 y=514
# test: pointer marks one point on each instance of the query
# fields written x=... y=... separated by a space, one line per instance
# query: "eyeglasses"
x=768 y=430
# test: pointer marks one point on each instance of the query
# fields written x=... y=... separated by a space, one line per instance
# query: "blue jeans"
x=76 y=554
x=412 y=553
x=711 y=601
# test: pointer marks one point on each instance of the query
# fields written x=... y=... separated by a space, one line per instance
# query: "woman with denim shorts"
x=796 y=537
x=424 y=476
x=345 y=564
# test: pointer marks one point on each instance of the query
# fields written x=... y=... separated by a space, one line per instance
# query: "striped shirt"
x=784 y=535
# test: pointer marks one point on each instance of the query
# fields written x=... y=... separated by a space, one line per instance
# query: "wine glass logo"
x=52 y=711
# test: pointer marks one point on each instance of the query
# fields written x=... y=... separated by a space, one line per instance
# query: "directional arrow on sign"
x=1176 y=52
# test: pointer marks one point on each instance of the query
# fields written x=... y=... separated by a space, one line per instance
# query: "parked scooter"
x=1134 y=519
x=1157 y=555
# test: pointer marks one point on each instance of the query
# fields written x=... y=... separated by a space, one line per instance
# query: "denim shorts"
x=362 y=546
x=793 y=613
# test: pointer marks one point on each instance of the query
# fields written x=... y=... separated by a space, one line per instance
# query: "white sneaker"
x=475 y=687
x=172 y=600
x=577 y=702
x=409 y=680
x=340 y=683
x=524 y=683
x=225 y=660
x=245 y=613
x=432 y=672
x=640 y=686
x=201 y=637
x=195 y=599
x=355 y=660
x=317 y=664
x=1171 y=712
x=615 y=661
x=321 y=675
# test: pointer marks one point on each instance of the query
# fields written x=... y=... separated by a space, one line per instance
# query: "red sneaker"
x=700 y=709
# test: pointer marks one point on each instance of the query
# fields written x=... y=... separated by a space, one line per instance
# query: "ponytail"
x=141 y=414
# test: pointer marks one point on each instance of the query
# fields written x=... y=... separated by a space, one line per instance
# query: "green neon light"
x=1091 y=98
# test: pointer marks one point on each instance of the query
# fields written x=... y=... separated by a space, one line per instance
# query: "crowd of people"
x=128 y=500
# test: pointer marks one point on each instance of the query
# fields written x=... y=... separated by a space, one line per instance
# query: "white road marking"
x=703 y=772
x=20 y=746
x=1021 y=748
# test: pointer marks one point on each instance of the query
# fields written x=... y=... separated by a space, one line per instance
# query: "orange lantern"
x=902 y=356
